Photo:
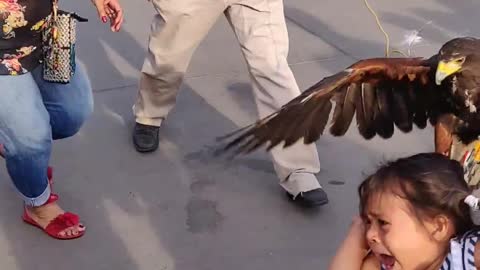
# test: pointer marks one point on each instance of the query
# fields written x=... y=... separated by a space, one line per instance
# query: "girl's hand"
x=110 y=9
x=358 y=229
x=352 y=251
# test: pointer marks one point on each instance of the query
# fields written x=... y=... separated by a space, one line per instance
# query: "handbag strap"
x=74 y=15
x=53 y=20
x=55 y=9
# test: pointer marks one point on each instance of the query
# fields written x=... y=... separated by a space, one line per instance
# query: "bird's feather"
x=380 y=93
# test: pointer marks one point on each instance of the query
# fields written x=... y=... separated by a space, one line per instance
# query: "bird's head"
x=456 y=56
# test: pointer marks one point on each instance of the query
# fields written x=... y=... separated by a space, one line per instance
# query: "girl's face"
x=398 y=239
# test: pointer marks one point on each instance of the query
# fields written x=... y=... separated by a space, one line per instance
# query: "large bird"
x=381 y=93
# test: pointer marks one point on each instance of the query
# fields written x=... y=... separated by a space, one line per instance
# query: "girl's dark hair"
x=432 y=183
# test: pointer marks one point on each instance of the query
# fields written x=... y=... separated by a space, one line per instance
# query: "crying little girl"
x=416 y=213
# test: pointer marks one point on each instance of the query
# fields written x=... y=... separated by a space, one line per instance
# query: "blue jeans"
x=33 y=113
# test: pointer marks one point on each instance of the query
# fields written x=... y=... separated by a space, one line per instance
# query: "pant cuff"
x=38 y=201
x=141 y=119
x=298 y=182
x=148 y=121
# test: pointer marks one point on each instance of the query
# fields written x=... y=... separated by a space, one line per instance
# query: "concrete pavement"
x=180 y=209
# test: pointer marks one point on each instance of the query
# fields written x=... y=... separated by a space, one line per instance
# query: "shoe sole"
x=318 y=203
x=145 y=150
x=307 y=205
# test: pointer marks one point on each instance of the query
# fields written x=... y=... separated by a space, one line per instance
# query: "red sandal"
x=58 y=224
x=50 y=178
x=50 y=174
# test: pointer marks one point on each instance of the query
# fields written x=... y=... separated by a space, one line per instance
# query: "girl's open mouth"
x=387 y=261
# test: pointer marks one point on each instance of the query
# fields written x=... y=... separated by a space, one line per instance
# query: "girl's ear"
x=441 y=228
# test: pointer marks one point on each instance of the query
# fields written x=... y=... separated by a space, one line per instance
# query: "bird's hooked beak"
x=445 y=69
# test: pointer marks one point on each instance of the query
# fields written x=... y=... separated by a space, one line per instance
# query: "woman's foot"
x=54 y=221
x=50 y=217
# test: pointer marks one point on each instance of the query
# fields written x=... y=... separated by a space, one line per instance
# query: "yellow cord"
x=400 y=52
x=387 y=39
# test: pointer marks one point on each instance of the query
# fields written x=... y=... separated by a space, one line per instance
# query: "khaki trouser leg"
x=261 y=30
x=175 y=34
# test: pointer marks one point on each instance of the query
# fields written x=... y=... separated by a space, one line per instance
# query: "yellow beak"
x=445 y=69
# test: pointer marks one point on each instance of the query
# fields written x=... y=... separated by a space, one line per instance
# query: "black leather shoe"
x=310 y=198
x=145 y=138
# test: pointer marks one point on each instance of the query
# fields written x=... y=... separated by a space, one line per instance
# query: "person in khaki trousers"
x=261 y=30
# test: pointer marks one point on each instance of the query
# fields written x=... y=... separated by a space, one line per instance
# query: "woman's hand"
x=110 y=9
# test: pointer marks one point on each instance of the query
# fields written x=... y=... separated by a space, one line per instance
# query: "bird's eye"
x=460 y=60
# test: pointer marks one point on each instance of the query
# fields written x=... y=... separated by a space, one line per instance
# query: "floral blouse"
x=21 y=22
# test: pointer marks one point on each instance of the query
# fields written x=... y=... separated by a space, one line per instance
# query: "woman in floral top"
x=34 y=112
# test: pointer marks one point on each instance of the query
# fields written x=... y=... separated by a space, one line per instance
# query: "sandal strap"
x=50 y=173
x=53 y=198
x=62 y=222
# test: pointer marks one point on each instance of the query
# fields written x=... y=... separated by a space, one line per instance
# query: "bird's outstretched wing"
x=381 y=92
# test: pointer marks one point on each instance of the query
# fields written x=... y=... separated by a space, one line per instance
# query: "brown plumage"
x=381 y=93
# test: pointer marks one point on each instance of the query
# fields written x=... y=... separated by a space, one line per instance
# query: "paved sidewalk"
x=179 y=209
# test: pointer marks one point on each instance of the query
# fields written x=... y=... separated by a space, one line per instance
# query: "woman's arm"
x=351 y=253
